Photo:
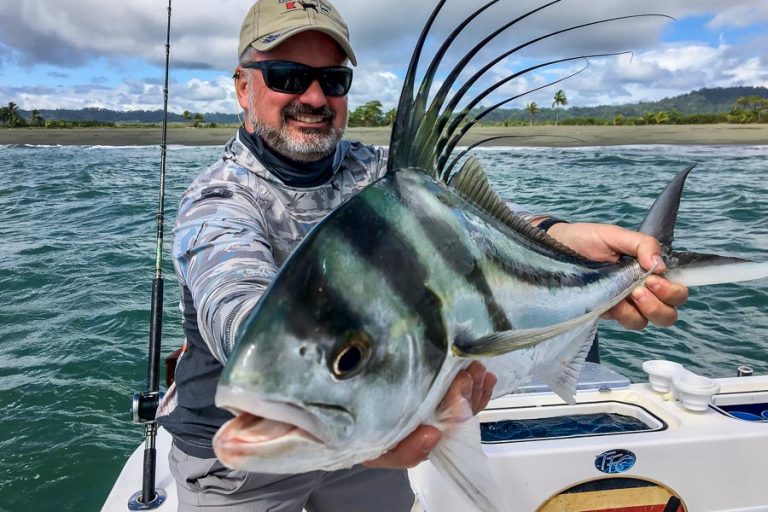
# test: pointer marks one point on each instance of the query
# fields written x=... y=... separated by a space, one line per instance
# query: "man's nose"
x=314 y=95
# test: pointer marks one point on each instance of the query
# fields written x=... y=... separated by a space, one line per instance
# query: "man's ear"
x=241 y=87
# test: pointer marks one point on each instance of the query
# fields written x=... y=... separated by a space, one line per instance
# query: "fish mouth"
x=247 y=436
x=265 y=429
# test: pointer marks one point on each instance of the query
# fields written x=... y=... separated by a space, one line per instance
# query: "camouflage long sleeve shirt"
x=237 y=224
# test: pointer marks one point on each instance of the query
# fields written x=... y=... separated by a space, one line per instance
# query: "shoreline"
x=528 y=136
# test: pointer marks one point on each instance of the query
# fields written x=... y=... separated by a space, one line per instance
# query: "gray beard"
x=313 y=145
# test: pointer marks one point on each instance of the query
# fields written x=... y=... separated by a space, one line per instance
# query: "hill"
x=703 y=101
x=104 y=115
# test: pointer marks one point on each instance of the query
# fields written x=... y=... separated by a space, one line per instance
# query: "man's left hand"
x=654 y=302
x=473 y=385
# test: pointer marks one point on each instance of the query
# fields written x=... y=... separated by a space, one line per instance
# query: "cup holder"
x=661 y=373
x=694 y=391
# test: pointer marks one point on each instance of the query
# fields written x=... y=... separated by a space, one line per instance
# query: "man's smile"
x=310 y=119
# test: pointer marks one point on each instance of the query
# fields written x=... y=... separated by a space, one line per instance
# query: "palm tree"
x=187 y=115
x=11 y=116
x=37 y=119
x=649 y=117
x=756 y=104
x=560 y=100
x=389 y=117
x=198 y=119
x=532 y=109
x=369 y=114
x=737 y=115
x=661 y=117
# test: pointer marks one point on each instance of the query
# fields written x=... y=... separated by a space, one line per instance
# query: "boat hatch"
x=566 y=422
x=751 y=406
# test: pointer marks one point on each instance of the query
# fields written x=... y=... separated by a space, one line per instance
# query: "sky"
x=92 y=53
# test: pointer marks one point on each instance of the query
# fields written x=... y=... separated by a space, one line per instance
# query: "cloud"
x=194 y=95
x=204 y=34
x=741 y=14
x=103 y=38
x=370 y=83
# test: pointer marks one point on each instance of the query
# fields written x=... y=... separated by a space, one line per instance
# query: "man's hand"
x=657 y=300
x=473 y=385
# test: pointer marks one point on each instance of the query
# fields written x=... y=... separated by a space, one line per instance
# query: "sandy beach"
x=549 y=136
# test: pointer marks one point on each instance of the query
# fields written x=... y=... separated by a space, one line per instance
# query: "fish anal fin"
x=471 y=184
x=460 y=459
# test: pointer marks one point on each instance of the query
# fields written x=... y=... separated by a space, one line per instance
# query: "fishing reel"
x=144 y=406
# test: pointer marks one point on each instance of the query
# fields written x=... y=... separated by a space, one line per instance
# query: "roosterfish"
x=359 y=336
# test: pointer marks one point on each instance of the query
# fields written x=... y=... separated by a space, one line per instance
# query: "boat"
x=678 y=442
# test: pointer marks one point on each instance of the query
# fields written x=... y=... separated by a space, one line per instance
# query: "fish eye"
x=352 y=355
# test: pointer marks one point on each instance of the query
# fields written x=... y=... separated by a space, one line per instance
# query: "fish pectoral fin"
x=696 y=269
x=498 y=343
x=460 y=459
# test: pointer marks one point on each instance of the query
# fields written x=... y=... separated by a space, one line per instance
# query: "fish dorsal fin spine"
x=471 y=183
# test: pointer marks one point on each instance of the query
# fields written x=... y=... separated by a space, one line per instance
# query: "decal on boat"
x=615 y=461
x=616 y=494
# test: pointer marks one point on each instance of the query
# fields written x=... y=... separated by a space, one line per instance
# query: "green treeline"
x=705 y=106
x=700 y=107
x=13 y=117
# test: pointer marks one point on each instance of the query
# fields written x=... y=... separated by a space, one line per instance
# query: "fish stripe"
x=376 y=239
x=460 y=259
x=524 y=271
x=520 y=269
x=318 y=305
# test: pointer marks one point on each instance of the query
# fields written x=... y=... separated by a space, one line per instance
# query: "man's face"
x=304 y=126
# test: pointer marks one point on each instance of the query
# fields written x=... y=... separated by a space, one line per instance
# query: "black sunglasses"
x=294 y=78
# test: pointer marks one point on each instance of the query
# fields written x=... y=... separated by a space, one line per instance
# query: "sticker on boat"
x=615 y=461
x=616 y=494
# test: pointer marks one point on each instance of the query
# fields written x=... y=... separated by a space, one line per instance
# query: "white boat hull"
x=706 y=460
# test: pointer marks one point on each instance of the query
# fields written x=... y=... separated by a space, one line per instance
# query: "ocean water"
x=77 y=235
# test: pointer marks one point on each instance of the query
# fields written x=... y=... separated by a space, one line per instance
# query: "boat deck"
x=681 y=460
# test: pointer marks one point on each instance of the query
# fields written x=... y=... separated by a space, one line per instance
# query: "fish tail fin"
x=660 y=220
x=695 y=269
x=460 y=459
x=690 y=268
x=561 y=373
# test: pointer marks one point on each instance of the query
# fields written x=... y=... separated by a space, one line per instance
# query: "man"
x=282 y=173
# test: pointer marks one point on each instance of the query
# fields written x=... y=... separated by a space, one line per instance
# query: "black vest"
x=195 y=419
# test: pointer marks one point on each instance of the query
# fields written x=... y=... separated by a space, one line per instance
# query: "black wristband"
x=548 y=223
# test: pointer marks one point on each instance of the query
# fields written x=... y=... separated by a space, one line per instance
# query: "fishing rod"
x=145 y=404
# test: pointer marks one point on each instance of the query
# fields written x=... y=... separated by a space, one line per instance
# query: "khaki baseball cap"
x=270 y=22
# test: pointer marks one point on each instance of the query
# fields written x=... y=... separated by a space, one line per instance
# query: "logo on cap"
x=271 y=37
x=292 y=5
